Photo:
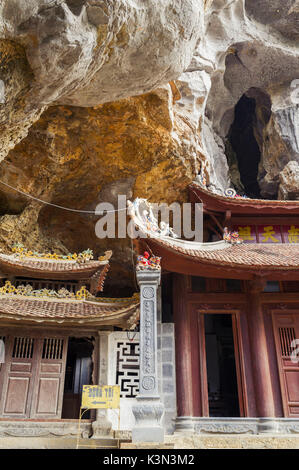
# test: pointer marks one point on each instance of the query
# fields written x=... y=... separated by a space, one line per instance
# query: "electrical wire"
x=61 y=207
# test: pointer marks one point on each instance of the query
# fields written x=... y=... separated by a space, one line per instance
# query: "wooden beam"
x=265 y=220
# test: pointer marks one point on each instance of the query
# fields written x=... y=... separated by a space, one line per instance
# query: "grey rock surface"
x=89 y=52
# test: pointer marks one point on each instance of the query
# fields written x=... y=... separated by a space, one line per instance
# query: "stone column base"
x=267 y=425
x=184 y=424
x=148 y=413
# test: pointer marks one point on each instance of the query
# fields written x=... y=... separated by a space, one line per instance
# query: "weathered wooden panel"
x=48 y=395
x=20 y=367
x=292 y=381
x=294 y=411
x=50 y=368
x=16 y=395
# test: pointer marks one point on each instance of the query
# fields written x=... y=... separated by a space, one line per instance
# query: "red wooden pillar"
x=186 y=350
x=259 y=354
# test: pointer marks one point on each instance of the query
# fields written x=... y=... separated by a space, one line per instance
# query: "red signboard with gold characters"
x=268 y=233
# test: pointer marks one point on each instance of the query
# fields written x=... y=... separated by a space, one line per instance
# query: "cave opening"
x=244 y=149
x=245 y=143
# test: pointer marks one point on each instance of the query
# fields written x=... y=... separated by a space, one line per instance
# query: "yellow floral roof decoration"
x=19 y=250
x=28 y=291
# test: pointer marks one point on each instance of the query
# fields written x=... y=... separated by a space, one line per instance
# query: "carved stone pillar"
x=260 y=360
x=149 y=410
x=102 y=426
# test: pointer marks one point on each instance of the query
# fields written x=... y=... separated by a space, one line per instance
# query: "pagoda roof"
x=217 y=259
x=240 y=205
x=58 y=269
x=123 y=313
x=244 y=261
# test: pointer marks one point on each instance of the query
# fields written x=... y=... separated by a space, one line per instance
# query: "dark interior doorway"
x=221 y=366
x=79 y=367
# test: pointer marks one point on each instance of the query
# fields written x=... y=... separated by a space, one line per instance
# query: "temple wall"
x=166 y=364
x=126 y=367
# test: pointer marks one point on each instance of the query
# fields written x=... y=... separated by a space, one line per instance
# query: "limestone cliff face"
x=87 y=52
x=77 y=157
x=101 y=97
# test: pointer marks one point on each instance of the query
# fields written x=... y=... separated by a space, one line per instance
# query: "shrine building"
x=57 y=334
x=235 y=310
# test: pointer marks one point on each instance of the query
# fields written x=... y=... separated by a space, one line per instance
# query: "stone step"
x=57 y=443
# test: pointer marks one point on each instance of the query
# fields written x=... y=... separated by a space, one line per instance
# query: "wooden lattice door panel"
x=49 y=383
x=33 y=377
x=286 y=330
x=18 y=377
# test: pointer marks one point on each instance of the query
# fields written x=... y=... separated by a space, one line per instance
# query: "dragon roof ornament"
x=142 y=214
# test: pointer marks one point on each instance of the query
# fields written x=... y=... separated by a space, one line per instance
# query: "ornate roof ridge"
x=58 y=269
x=14 y=257
x=127 y=301
x=26 y=290
x=243 y=202
x=62 y=295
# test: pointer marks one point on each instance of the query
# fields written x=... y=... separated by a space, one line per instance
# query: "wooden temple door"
x=49 y=382
x=286 y=330
x=32 y=377
x=17 y=376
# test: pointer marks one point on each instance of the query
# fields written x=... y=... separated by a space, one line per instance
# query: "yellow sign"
x=97 y=396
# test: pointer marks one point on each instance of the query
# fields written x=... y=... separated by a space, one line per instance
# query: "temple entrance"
x=221 y=369
x=32 y=376
x=79 y=367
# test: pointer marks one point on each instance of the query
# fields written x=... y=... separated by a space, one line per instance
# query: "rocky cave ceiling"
x=107 y=97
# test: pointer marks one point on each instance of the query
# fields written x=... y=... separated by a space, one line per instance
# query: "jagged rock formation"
x=136 y=98
x=289 y=177
x=244 y=53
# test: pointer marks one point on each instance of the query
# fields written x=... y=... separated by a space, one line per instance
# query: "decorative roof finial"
x=232 y=237
x=146 y=262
